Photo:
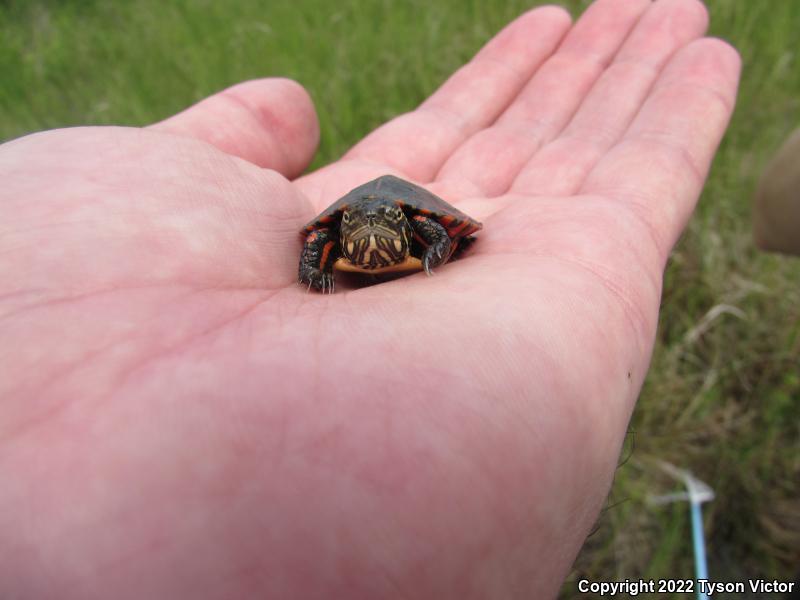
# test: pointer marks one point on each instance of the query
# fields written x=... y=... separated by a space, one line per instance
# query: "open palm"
x=180 y=419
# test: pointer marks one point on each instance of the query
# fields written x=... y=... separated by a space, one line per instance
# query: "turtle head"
x=374 y=233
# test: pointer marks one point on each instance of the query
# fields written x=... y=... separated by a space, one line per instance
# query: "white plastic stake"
x=696 y=493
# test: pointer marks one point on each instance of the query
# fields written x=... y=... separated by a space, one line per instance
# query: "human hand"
x=181 y=419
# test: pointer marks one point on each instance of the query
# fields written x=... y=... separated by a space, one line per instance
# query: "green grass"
x=722 y=395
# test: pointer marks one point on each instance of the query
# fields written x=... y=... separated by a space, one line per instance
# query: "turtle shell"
x=406 y=195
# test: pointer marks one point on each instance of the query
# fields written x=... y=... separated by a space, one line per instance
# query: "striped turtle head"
x=374 y=233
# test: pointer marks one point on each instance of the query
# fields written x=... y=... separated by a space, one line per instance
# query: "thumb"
x=269 y=122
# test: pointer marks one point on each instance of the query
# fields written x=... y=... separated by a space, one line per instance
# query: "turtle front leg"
x=435 y=237
x=320 y=251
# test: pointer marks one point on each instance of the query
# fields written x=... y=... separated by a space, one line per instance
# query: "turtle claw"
x=319 y=280
x=426 y=265
x=435 y=255
x=327 y=283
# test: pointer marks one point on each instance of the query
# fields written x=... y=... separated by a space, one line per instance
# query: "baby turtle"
x=386 y=225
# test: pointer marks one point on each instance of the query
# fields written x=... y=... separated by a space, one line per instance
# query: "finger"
x=560 y=167
x=417 y=143
x=492 y=158
x=269 y=122
x=658 y=168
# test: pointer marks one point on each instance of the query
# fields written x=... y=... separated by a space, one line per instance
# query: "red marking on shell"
x=457 y=228
x=463 y=228
x=473 y=227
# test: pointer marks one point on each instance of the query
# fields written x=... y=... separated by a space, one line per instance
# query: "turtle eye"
x=346 y=217
x=398 y=213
